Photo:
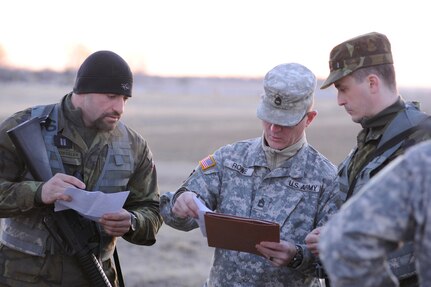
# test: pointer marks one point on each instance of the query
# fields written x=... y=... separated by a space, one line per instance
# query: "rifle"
x=57 y=223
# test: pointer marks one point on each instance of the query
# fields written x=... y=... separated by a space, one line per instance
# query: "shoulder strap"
x=42 y=112
x=387 y=145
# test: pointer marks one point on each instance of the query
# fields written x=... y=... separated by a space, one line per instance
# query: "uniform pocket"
x=26 y=268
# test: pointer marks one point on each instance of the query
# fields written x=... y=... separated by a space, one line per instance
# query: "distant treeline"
x=142 y=82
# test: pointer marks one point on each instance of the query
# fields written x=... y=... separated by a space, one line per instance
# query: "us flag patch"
x=207 y=162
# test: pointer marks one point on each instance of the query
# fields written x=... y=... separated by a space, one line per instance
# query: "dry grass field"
x=185 y=120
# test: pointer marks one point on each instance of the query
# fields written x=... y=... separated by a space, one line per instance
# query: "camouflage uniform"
x=289 y=183
x=86 y=154
x=393 y=207
x=299 y=195
x=383 y=137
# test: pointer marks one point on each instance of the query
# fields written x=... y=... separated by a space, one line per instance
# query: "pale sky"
x=241 y=38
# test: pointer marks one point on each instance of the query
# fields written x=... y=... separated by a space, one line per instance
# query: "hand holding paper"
x=92 y=204
x=201 y=212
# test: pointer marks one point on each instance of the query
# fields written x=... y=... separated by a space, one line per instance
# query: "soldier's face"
x=356 y=98
x=279 y=137
x=102 y=111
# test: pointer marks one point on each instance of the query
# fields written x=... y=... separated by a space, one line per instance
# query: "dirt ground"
x=182 y=128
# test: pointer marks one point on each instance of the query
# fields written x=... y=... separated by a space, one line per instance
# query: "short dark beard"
x=101 y=125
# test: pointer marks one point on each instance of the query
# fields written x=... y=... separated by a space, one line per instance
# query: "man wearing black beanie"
x=104 y=72
x=86 y=147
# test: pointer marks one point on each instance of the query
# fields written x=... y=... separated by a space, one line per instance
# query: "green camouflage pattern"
x=363 y=51
x=300 y=195
x=368 y=140
x=18 y=199
x=393 y=207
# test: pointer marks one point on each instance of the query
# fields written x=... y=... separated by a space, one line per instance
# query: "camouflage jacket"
x=299 y=195
x=19 y=194
x=377 y=133
x=353 y=174
x=394 y=207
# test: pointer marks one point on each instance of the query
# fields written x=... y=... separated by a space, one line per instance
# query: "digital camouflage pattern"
x=289 y=90
x=299 y=195
x=19 y=199
x=393 y=207
x=362 y=51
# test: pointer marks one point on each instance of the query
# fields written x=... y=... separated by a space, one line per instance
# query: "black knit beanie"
x=104 y=72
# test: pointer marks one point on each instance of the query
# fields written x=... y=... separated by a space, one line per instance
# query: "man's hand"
x=185 y=205
x=54 y=188
x=116 y=224
x=280 y=254
x=312 y=240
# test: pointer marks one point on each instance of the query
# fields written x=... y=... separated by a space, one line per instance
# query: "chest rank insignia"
x=62 y=142
x=207 y=162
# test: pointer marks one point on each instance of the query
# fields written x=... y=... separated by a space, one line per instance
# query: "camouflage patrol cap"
x=289 y=90
x=367 y=50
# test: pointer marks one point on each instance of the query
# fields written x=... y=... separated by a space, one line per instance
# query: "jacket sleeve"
x=206 y=183
x=329 y=203
x=144 y=197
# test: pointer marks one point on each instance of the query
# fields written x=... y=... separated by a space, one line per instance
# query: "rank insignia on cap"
x=277 y=101
x=207 y=162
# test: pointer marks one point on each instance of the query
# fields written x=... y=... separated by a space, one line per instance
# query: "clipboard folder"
x=239 y=233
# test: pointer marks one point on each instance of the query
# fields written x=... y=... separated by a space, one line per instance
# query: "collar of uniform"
x=385 y=116
x=77 y=128
x=70 y=112
x=255 y=155
x=276 y=158
x=375 y=126
x=294 y=167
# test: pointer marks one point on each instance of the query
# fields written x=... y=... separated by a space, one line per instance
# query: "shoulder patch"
x=207 y=162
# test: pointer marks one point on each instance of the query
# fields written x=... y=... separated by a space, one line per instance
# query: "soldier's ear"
x=373 y=82
x=310 y=117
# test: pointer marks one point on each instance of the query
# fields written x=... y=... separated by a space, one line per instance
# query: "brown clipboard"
x=239 y=233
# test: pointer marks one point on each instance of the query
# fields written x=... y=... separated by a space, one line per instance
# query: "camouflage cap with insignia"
x=366 y=50
x=289 y=90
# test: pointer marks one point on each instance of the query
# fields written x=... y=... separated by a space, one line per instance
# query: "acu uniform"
x=393 y=208
x=299 y=195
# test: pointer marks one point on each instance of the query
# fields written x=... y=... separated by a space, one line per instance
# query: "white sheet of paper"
x=92 y=204
x=201 y=219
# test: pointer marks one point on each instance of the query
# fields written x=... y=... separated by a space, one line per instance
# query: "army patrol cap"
x=367 y=50
x=289 y=90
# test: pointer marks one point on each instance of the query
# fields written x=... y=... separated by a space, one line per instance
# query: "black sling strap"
x=423 y=125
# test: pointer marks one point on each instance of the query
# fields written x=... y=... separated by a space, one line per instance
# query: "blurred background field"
x=184 y=120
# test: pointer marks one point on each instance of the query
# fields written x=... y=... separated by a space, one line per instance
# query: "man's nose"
x=119 y=105
x=340 y=100
x=275 y=127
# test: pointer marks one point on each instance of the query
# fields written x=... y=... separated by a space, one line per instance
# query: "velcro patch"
x=207 y=162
